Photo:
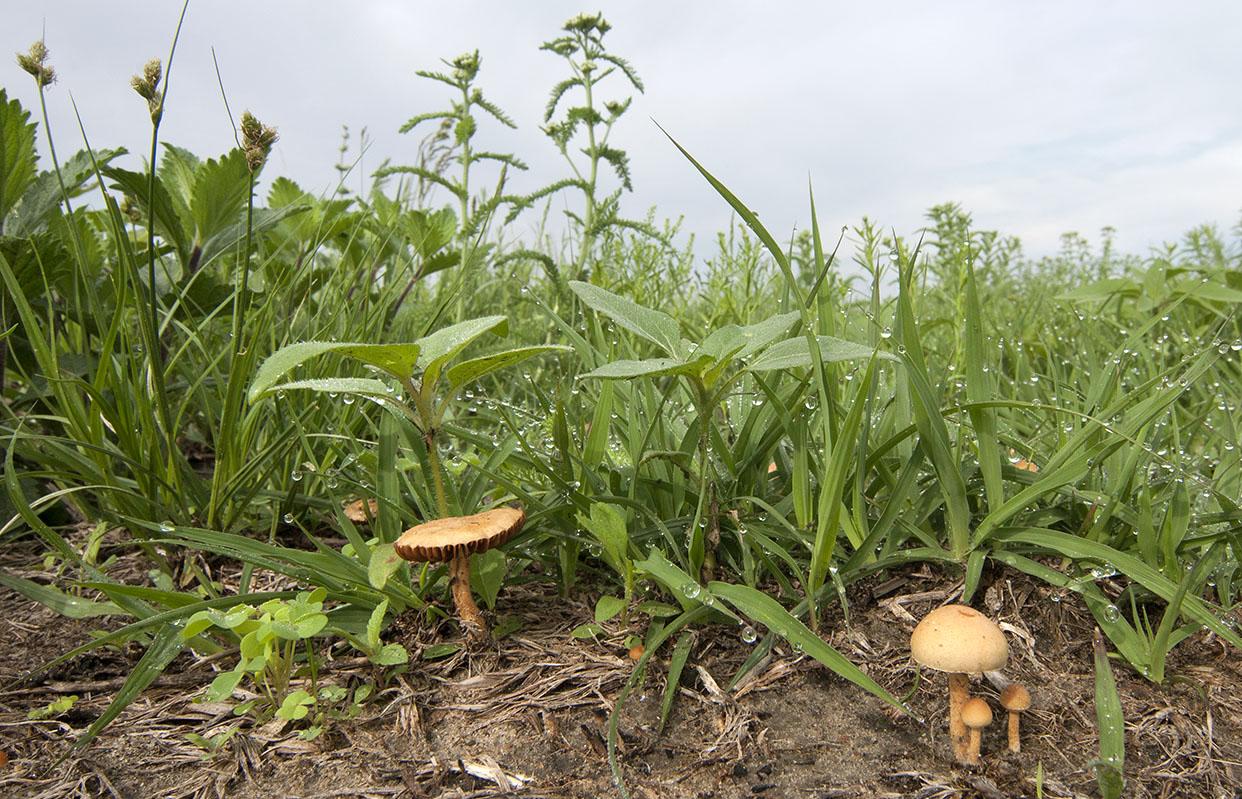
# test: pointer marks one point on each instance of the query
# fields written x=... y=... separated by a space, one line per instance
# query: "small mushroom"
x=362 y=511
x=975 y=715
x=1015 y=699
x=961 y=641
x=453 y=540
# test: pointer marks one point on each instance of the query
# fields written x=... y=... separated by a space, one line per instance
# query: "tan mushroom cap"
x=960 y=640
x=360 y=511
x=976 y=714
x=1015 y=698
x=441 y=539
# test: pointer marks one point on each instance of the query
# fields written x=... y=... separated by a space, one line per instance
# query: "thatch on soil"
x=528 y=716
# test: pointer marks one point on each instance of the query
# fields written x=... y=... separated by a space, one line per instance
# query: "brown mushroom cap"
x=960 y=640
x=1015 y=698
x=442 y=539
x=976 y=714
x=360 y=511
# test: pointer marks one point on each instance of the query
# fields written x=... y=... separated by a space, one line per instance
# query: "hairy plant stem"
x=427 y=421
x=588 y=218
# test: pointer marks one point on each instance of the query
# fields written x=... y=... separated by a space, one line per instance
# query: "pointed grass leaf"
x=1077 y=548
x=1112 y=726
x=69 y=606
x=165 y=646
x=656 y=326
x=676 y=664
x=768 y=612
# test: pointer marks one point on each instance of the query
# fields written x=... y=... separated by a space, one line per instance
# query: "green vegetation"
x=215 y=375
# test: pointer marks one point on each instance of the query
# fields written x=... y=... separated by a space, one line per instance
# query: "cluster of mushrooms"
x=962 y=641
x=955 y=639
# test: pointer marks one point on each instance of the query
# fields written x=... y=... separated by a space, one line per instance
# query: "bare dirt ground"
x=527 y=717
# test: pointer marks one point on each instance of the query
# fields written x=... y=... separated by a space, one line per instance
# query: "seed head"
x=34 y=62
x=147 y=86
x=257 y=141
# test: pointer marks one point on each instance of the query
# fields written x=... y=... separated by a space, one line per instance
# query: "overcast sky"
x=1039 y=118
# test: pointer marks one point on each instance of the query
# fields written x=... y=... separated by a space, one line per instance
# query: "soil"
x=528 y=716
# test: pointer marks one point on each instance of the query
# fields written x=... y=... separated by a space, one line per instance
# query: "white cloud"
x=1039 y=118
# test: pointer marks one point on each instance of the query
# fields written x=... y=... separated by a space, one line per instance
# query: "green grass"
x=635 y=414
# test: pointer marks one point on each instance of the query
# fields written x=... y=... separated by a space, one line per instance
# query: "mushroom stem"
x=467 y=611
x=959 y=692
x=1015 y=743
x=973 y=747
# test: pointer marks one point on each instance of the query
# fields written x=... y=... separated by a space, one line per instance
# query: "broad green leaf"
x=438 y=348
x=295 y=706
x=623 y=370
x=468 y=371
x=384 y=561
x=357 y=386
x=437 y=651
x=487 y=575
x=44 y=194
x=656 y=326
x=399 y=360
x=744 y=341
x=795 y=353
x=608 y=607
x=223 y=685
x=391 y=655
x=1102 y=290
x=768 y=612
x=607 y=524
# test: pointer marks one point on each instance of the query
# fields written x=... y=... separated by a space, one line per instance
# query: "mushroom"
x=1015 y=699
x=975 y=715
x=453 y=540
x=958 y=640
x=362 y=511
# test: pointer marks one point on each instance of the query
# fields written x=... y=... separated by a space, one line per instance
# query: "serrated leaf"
x=17 y=152
x=219 y=194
